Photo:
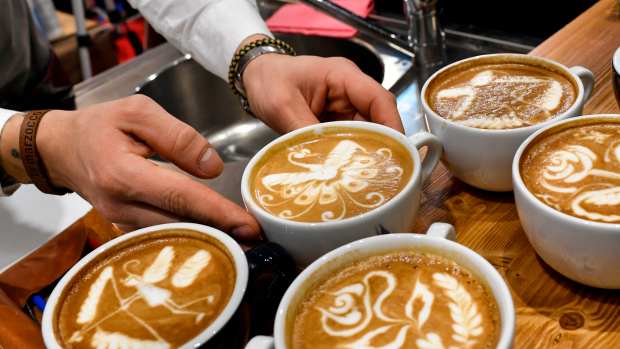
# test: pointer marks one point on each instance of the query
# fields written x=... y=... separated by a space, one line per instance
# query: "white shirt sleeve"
x=5 y=115
x=210 y=30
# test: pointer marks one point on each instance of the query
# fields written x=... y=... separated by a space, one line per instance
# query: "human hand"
x=100 y=152
x=291 y=92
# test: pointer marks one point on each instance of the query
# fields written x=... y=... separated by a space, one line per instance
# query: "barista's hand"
x=100 y=152
x=291 y=92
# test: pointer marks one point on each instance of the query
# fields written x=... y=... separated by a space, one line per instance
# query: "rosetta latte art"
x=582 y=175
x=146 y=290
x=347 y=179
x=356 y=305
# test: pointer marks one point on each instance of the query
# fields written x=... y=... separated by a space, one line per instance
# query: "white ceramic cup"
x=482 y=157
x=437 y=241
x=307 y=241
x=585 y=251
x=239 y=260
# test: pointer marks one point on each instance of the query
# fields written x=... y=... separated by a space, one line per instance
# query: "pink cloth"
x=303 y=19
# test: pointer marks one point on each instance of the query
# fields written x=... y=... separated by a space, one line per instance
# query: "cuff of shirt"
x=210 y=30
x=5 y=115
x=214 y=49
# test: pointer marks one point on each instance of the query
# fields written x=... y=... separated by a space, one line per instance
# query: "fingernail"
x=209 y=160
x=244 y=231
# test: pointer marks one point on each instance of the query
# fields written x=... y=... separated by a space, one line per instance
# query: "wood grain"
x=552 y=311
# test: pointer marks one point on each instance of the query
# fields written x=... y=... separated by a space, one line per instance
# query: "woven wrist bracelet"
x=33 y=164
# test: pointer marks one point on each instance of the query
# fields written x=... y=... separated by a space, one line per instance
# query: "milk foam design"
x=566 y=168
x=505 y=116
x=146 y=290
x=354 y=307
x=348 y=169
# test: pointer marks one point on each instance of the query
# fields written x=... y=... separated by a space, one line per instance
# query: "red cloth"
x=303 y=19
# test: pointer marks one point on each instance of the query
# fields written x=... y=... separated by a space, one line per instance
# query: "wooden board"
x=552 y=311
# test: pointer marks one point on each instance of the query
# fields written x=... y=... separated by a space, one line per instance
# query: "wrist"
x=51 y=145
x=10 y=157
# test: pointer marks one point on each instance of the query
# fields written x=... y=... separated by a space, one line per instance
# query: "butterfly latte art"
x=577 y=171
x=500 y=95
x=156 y=292
x=330 y=176
x=399 y=300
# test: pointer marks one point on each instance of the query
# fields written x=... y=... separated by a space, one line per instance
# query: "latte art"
x=577 y=171
x=332 y=176
x=501 y=96
x=400 y=300
x=158 y=294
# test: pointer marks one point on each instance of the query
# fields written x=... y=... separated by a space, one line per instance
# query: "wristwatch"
x=250 y=56
x=8 y=184
x=247 y=54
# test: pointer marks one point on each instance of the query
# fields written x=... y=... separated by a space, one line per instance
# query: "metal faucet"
x=425 y=39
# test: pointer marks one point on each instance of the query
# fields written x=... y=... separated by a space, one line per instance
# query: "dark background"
x=529 y=20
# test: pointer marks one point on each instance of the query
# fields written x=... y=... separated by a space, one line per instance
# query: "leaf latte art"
x=399 y=300
x=158 y=294
x=577 y=171
x=331 y=176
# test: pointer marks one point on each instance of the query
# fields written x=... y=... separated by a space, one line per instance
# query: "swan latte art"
x=396 y=300
x=329 y=176
x=577 y=171
x=500 y=95
x=157 y=291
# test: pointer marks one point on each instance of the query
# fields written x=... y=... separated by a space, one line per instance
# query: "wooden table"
x=552 y=311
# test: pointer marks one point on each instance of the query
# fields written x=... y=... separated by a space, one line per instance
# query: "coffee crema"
x=329 y=176
x=500 y=95
x=577 y=171
x=156 y=291
x=396 y=300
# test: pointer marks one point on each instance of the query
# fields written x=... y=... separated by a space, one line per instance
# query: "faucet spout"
x=425 y=34
x=425 y=40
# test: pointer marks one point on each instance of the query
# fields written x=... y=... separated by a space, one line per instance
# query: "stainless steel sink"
x=201 y=99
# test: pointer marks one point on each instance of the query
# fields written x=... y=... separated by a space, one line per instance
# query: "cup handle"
x=425 y=139
x=442 y=230
x=586 y=77
x=260 y=342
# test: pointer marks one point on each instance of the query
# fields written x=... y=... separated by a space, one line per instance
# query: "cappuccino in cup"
x=396 y=291
x=482 y=108
x=322 y=186
x=501 y=95
x=401 y=299
x=567 y=192
x=172 y=286
x=337 y=174
x=577 y=171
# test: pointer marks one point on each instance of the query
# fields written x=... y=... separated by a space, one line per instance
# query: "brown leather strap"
x=30 y=156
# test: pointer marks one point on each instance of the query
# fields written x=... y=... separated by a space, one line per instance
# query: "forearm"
x=10 y=158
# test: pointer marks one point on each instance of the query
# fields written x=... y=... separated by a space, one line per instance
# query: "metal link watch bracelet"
x=246 y=55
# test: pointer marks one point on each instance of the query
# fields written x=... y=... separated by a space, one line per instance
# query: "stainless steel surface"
x=201 y=99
